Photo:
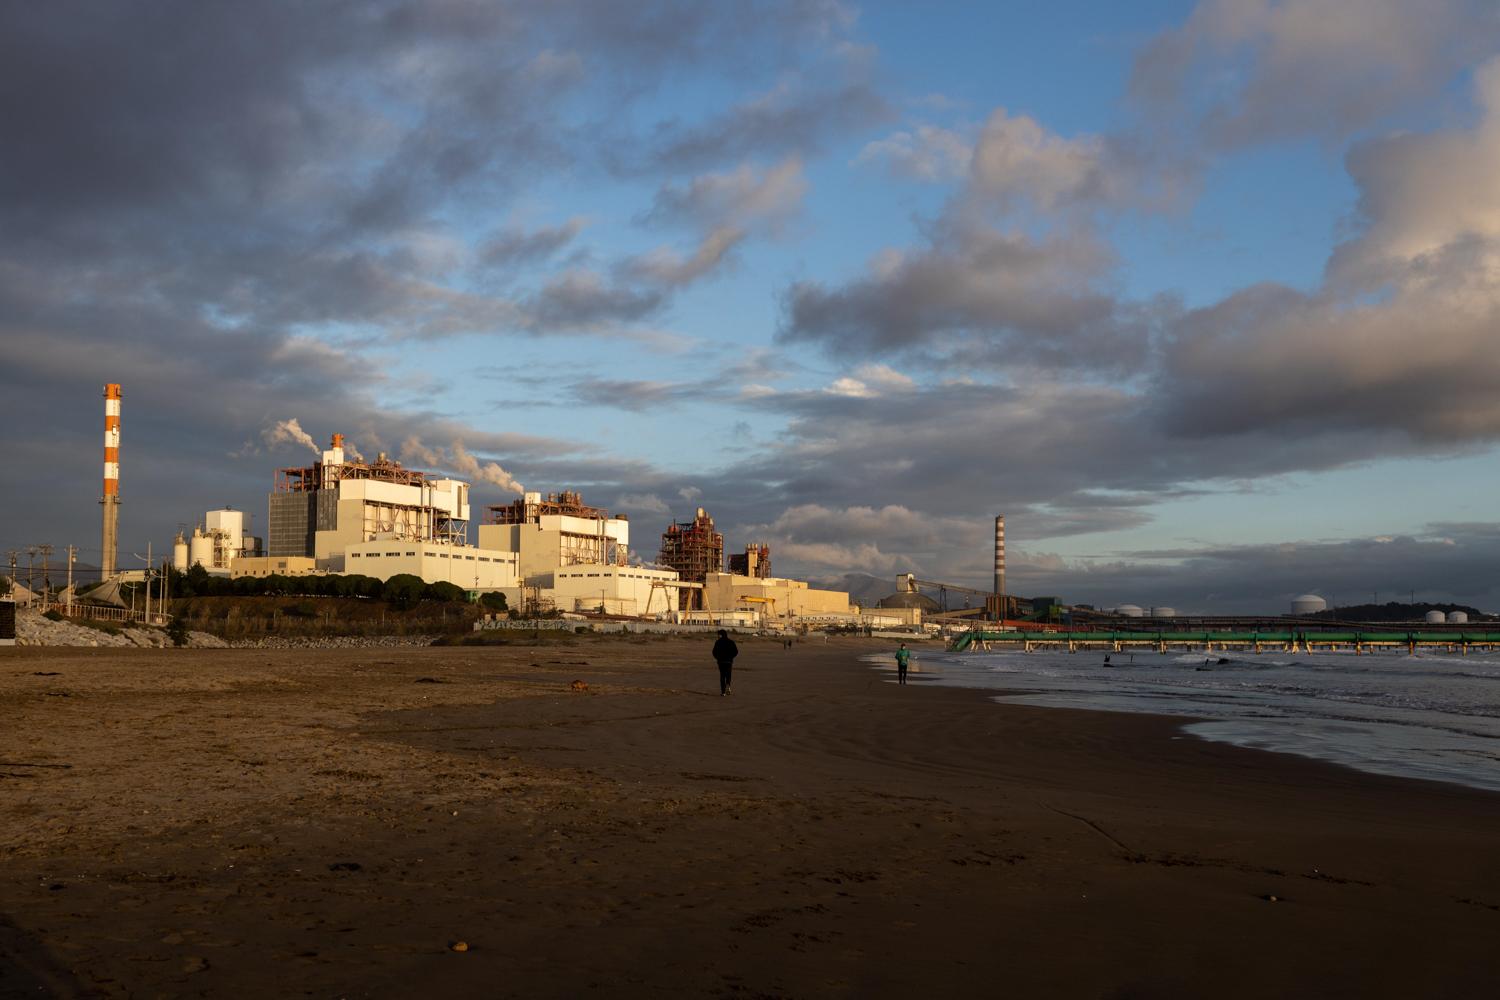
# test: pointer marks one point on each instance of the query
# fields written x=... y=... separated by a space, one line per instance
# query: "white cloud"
x=926 y=153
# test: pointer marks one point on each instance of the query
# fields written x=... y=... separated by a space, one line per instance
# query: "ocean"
x=1426 y=716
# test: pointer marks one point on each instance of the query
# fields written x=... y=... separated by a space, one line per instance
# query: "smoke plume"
x=292 y=433
x=457 y=459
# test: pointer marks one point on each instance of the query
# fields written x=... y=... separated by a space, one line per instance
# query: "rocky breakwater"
x=333 y=641
x=35 y=629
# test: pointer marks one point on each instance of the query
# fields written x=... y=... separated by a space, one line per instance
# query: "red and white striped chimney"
x=110 y=541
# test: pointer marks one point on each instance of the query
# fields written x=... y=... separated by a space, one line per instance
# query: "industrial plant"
x=556 y=554
x=544 y=553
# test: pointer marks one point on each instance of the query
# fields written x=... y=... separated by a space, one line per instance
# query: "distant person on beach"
x=724 y=653
x=903 y=657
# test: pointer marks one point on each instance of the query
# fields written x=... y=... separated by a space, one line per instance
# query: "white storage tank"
x=1130 y=611
x=1458 y=618
x=1308 y=604
x=1435 y=618
x=180 y=554
x=201 y=549
x=1163 y=612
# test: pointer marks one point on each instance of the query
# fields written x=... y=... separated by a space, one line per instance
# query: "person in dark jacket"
x=724 y=653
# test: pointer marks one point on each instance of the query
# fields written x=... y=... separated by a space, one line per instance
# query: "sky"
x=1203 y=297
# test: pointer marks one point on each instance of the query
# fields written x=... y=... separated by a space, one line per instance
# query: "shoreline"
x=1263 y=733
x=281 y=824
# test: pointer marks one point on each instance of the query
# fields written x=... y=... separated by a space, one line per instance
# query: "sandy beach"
x=247 y=822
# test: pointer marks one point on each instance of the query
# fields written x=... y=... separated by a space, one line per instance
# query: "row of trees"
x=401 y=590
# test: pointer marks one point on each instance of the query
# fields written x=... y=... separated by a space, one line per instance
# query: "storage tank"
x=1308 y=604
x=1435 y=618
x=1163 y=612
x=1130 y=611
x=200 y=549
x=180 y=553
x=1458 y=618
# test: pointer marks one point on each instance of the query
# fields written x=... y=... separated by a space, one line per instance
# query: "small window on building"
x=411 y=553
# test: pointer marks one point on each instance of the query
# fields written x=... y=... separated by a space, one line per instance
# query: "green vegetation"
x=492 y=601
x=177 y=631
x=53 y=616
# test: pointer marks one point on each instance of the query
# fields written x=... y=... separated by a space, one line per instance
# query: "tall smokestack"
x=1000 y=560
x=110 y=542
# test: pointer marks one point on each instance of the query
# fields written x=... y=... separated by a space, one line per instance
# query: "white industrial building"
x=461 y=565
x=577 y=557
x=215 y=544
x=379 y=519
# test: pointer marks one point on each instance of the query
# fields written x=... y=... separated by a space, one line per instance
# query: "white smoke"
x=290 y=432
x=352 y=452
x=415 y=452
x=458 y=459
x=490 y=472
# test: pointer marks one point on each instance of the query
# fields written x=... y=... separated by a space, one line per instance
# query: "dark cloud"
x=980 y=294
x=1446 y=563
x=520 y=247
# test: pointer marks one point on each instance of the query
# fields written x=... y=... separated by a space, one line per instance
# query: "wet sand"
x=257 y=823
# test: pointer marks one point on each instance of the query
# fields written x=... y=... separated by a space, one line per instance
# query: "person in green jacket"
x=903 y=657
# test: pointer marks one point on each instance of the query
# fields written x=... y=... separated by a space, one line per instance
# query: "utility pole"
x=148 y=583
x=72 y=554
x=14 y=555
x=46 y=551
x=30 y=567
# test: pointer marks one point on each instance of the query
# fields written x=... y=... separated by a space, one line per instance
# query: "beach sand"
x=330 y=823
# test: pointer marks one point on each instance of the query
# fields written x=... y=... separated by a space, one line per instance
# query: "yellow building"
x=775 y=597
x=274 y=565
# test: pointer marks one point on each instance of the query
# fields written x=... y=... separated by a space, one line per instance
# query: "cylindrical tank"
x=1130 y=611
x=1163 y=612
x=1458 y=618
x=180 y=553
x=1308 y=604
x=200 y=549
x=1435 y=618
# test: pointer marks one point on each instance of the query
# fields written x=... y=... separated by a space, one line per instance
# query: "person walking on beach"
x=903 y=657
x=724 y=653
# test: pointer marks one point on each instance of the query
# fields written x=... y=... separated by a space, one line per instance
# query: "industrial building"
x=319 y=510
x=376 y=519
x=575 y=556
x=694 y=549
x=216 y=544
x=777 y=598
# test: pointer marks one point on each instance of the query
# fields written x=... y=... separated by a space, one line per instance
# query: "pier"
x=1291 y=641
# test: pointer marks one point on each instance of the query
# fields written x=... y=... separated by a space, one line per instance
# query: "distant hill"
x=1395 y=611
x=864 y=589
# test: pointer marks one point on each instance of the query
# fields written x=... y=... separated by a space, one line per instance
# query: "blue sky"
x=1202 y=296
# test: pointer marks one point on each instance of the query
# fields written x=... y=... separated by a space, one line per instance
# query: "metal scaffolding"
x=694 y=549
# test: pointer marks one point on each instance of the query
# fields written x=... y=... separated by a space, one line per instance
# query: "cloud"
x=791 y=118
x=647 y=503
x=667 y=268
x=636 y=394
x=926 y=153
x=520 y=247
x=1398 y=343
x=745 y=197
x=1446 y=563
x=979 y=292
x=1246 y=71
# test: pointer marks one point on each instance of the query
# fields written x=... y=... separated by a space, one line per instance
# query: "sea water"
x=1434 y=716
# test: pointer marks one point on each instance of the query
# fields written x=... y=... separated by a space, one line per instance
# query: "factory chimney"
x=110 y=540
x=1000 y=562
